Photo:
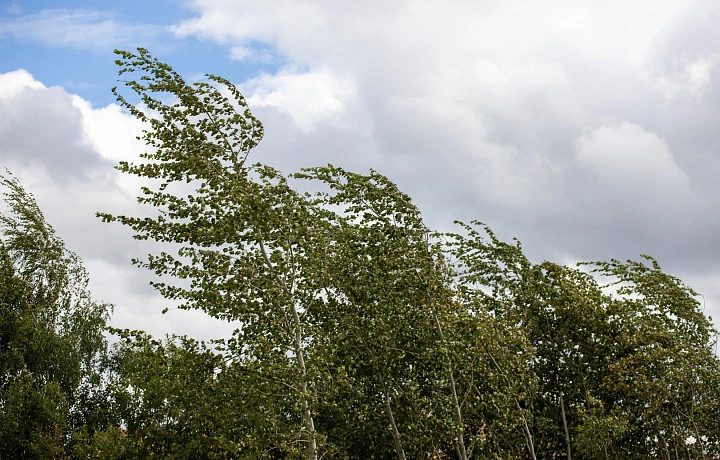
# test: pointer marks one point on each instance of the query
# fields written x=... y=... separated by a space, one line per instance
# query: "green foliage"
x=663 y=370
x=251 y=248
x=362 y=333
x=50 y=334
x=624 y=366
x=366 y=335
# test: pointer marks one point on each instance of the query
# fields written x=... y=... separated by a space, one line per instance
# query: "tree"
x=365 y=334
x=377 y=329
x=250 y=247
x=618 y=369
x=663 y=374
x=421 y=357
x=170 y=399
x=50 y=335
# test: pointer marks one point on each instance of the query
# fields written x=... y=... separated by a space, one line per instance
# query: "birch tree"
x=247 y=243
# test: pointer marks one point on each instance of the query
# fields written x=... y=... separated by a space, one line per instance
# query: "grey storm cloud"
x=586 y=129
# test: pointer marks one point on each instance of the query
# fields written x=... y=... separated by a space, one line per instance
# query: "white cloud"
x=62 y=149
x=12 y=83
x=691 y=79
x=683 y=60
x=110 y=132
x=224 y=21
x=13 y=8
x=241 y=53
x=630 y=157
x=508 y=85
x=699 y=73
x=628 y=195
x=309 y=98
x=515 y=113
x=40 y=127
x=588 y=129
x=250 y=54
x=495 y=94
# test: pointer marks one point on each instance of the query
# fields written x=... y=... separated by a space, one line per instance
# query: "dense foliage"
x=363 y=333
x=50 y=335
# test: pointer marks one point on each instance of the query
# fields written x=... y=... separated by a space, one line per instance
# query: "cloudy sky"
x=587 y=129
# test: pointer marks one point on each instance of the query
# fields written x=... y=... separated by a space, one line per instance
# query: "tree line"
x=362 y=332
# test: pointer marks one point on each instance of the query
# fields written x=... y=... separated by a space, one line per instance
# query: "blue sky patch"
x=73 y=46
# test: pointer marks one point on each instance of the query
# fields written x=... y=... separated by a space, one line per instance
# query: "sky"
x=586 y=129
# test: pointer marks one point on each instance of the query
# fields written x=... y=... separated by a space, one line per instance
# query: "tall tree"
x=50 y=335
x=377 y=328
x=417 y=353
x=250 y=246
x=662 y=376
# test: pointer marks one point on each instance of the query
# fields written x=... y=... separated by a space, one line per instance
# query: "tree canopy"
x=51 y=335
x=363 y=333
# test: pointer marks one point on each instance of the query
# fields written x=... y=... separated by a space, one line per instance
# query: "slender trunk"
x=459 y=439
x=565 y=427
x=526 y=427
x=309 y=422
x=395 y=433
x=300 y=360
x=665 y=445
x=528 y=434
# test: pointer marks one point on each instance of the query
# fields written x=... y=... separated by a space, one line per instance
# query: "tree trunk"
x=565 y=427
x=396 y=434
x=528 y=434
x=299 y=358
x=459 y=439
x=309 y=422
